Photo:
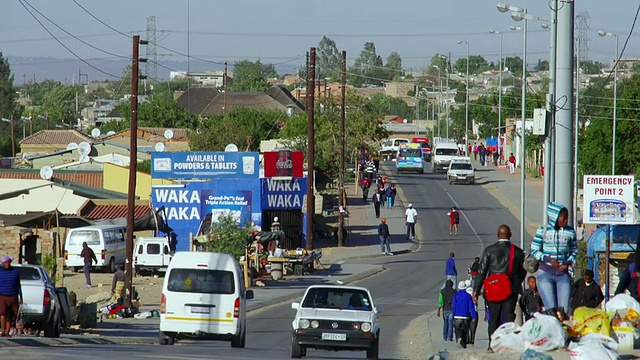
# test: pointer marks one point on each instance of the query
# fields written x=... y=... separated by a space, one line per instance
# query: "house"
x=196 y=99
x=98 y=109
x=148 y=138
x=90 y=178
x=207 y=78
x=49 y=147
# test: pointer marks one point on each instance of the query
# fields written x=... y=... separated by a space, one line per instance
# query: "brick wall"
x=10 y=241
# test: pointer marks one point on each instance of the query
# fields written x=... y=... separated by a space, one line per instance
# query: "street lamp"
x=439 y=97
x=615 y=99
x=446 y=102
x=466 y=126
x=499 y=87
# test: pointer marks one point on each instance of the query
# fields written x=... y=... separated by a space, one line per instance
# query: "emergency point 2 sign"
x=608 y=199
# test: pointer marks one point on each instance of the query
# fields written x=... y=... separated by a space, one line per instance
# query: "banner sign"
x=197 y=165
x=608 y=199
x=283 y=163
x=283 y=194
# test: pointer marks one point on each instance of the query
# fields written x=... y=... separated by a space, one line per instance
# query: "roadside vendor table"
x=298 y=264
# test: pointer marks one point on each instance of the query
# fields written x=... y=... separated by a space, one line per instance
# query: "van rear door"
x=201 y=294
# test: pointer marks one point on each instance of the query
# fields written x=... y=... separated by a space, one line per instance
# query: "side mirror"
x=295 y=305
x=248 y=294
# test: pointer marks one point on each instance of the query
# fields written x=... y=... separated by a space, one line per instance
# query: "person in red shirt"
x=454 y=221
x=512 y=164
x=365 y=184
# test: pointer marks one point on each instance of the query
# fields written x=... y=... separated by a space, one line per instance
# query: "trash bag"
x=531 y=354
x=544 y=333
x=624 y=302
x=594 y=346
x=589 y=321
x=507 y=338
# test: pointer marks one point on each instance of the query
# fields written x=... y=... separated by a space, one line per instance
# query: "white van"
x=107 y=241
x=443 y=154
x=203 y=297
x=151 y=255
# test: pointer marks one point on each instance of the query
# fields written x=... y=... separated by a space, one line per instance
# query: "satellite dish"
x=117 y=161
x=405 y=121
x=72 y=146
x=84 y=148
x=168 y=134
x=46 y=172
x=111 y=133
x=84 y=159
x=159 y=147
x=95 y=132
x=231 y=148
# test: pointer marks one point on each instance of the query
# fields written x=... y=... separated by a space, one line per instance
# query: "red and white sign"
x=608 y=199
x=283 y=163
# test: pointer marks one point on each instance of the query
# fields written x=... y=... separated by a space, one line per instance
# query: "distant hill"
x=24 y=69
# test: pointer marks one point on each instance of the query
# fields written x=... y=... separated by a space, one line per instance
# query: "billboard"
x=207 y=165
x=608 y=199
x=283 y=163
x=283 y=194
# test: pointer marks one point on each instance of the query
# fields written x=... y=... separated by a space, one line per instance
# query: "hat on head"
x=275 y=218
x=384 y=220
x=410 y=205
x=462 y=285
x=467 y=282
x=7 y=258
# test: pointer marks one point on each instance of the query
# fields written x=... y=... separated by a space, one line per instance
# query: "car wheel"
x=296 y=349
x=52 y=329
x=372 y=351
x=238 y=341
x=112 y=265
x=472 y=182
x=164 y=339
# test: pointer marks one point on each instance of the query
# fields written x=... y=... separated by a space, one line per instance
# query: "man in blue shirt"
x=464 y=311
x=450 y=270
x=10 y=295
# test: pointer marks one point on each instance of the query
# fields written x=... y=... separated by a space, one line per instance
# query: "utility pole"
x=549 y=161
x=343 y=100
x=224 y=83
x=133 y=161
x=13 y=137
x=311 y=76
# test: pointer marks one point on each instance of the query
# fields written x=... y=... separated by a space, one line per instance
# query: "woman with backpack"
x=454 y=221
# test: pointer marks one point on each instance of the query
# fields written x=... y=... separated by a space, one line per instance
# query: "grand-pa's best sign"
x=608 y=199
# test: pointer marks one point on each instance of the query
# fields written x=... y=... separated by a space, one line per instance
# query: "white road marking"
x=464 y=215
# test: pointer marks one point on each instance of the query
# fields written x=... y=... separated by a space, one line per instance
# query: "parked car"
x=40 y=307
x=331 y=317
x=151 y=255
x=203 y=297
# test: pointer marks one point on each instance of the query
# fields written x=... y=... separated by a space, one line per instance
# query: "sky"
x=282 y=31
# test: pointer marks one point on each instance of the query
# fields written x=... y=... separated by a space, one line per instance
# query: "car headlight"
x=315 y=324
x=303 y=323
x=355 y=326
x=366 y=327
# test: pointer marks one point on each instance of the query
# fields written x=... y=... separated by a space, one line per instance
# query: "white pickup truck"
x=40 y=307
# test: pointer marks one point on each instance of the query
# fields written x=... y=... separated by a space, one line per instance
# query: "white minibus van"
x=107 y=241
x=203 y=297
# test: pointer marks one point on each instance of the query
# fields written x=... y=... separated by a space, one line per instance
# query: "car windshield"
x=461 y=166
x=201 y=281
x=331 y=298
x=92 y=237
x=410 y=153
x=450 y=152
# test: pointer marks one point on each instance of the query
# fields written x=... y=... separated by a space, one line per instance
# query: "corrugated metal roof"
x=92 y=178
x=102 y=212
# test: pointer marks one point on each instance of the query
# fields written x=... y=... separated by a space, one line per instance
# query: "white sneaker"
x=88 y=286
x=390 y=253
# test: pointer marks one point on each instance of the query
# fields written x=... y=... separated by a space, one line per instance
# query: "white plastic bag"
x=622 y=302
x=594 y=346
x=507 y=338
x=543 y=333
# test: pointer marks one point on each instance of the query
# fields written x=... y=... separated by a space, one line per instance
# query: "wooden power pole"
x=341 y=199
x=311 y=75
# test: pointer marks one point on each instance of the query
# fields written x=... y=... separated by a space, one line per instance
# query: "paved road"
x=407 y=288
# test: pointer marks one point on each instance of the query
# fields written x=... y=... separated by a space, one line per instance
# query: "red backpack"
x=497 y=287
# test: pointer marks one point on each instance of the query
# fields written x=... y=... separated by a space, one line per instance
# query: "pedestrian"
x=117 y=284
x=365 y=184
x=483 y=154
x=586 y=292
x=378 y=199
x=629 y=281
x=275 y=224
x=445 y=301
x=197 y=246
x=530 y=301
x=383 y=232
x=464 y=312
x=10 y=296
x=450 y=271
x=473 y=327
x=410 y=219
x=495 y=157
x=454 y=221
x=501 y=274
x=555 y=246
x=173 y=242
x=89 y=257
x=475 y=151
x=512 y=164
x=394 y=192
x=473 y=271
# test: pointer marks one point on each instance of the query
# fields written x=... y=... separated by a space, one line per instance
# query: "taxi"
x=461 y=171
x=410 y=158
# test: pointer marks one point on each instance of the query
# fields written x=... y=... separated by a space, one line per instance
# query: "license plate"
x=462 y=177
x=200 y=310
x=334 y=337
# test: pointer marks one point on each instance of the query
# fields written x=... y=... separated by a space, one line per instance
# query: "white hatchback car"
x=334 y=317
x=461 y=171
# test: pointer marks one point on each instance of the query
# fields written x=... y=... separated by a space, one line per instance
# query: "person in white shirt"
x=410 y=218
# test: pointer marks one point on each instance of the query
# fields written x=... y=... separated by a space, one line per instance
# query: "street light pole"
x=499 y=89
x=615 y=98
x=466 y=125
x=439 y=99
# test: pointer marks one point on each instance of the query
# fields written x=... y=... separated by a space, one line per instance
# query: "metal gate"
x=290 y=223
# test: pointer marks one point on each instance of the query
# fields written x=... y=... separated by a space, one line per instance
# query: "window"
x=411 y=153
x=400 y=142
x=626 y=234
x=153 y=249
x=449 y=152
x=77 y=237
x=351 y=299
x=461 y=166
x=140 y=250
x=201 y=281
x=28 y=273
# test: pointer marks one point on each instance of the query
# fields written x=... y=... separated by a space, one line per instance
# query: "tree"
x=8 y=105
x=389 y=105
x=440 y=61
x=394 y=64
x=159 y=113
x=368 y=67
x=513 y=64
x=329 y=59
x=477 y=64
x=248 y=76
x=591 y=67
x=227 y=237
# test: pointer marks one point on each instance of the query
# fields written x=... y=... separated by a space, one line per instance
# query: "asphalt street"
x=407 y=288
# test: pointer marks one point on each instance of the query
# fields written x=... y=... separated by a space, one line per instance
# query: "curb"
x=76 y=340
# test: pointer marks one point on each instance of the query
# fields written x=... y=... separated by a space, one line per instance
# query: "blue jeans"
x=555 y=290
x=389 y=202
x=447 y=328
x=411 y=230
x=384 y=244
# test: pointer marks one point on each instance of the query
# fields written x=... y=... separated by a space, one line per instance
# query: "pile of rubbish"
x=591 y=334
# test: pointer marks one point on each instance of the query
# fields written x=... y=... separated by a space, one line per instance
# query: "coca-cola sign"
x=283 y=163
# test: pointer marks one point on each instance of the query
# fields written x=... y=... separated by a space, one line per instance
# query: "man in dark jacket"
x=628 y=281
x=383 y=232
x=586 y=292
x=530 y=301
x=89 y=257
x=445 y=301
x=378 y=199
x=495 y=260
